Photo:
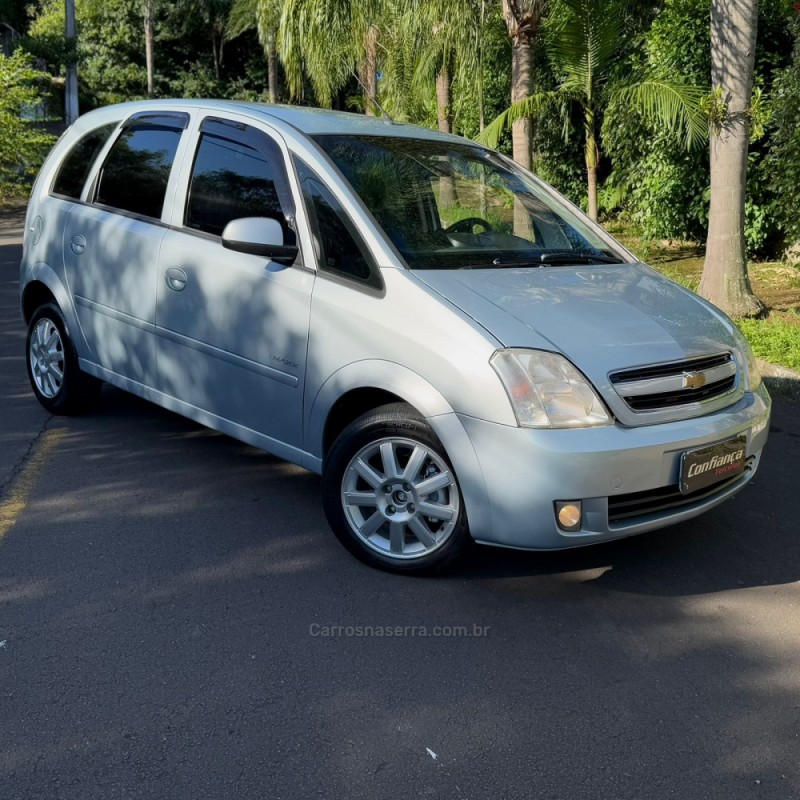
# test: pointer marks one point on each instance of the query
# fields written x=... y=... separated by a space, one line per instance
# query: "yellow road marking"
x=15 y=503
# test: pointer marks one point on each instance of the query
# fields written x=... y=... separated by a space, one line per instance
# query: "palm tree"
x=330 y=41
x=427 y=45
x=264 y=16
x=733 y=43
x=583 y=41
x=524 y=22
x=453 y=29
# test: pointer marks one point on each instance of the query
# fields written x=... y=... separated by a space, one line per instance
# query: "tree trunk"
x=148 y=44
x=522 y=129
x=591 y=175
x=481 y=112
x=447 y=188
x=522 y=87
x=443 y=102
x=218 y=44
x=216 y=49
x=523 y=27
x=272 y=74
x=592 y=157
x=371 y=70
x=733 y=38
x=71 y=86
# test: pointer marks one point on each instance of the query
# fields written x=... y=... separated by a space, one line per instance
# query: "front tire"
x=391 y=495
x=55 y=376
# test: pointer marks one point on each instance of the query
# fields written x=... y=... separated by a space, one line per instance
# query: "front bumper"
x=525 y=471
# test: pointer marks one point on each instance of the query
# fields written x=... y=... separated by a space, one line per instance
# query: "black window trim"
x=179 y=120
x=374 y=285
x=172 y=120
x=240 y=133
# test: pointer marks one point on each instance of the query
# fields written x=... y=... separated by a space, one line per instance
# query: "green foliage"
x=666 y=188
x=23 y=145
x=559 y=160
x=715 y=109
x=584 y=40
x=110 y=50
x=325 y=40
x=775 y=339
x=190 y=48
x=783 y=162
x=495 y=77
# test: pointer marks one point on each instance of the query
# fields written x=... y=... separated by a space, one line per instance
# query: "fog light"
x=569 y=514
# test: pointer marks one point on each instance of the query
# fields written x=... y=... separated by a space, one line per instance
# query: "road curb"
x=769 y=370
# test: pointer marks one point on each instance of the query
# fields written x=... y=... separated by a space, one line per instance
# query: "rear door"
x=112 y=242
x=232 y=328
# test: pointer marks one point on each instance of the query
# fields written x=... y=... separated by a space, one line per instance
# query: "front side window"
x=75 y=168
x=341 y=250
x=236 y=174
x=448 y=205
x=136 y=172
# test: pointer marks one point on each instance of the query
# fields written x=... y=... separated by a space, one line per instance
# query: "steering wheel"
x=466 y=225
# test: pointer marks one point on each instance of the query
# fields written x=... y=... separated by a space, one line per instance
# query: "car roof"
x=304 y=119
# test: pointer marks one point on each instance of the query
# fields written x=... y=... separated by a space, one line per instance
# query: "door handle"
x=176 y=279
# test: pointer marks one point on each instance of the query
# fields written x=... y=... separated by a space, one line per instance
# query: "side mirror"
x=259 y=236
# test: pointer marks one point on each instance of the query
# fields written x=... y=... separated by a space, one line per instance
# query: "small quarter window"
x=75 y=168
x=135 y=175
x=342 y=250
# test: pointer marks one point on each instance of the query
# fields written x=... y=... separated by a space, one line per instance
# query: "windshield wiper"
x=517 y=262
x=570 y=257
x=562 y=257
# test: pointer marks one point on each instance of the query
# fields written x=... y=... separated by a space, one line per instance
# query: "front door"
x=232 y=328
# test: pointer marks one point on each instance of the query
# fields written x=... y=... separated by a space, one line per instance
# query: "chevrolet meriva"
x=458 y=351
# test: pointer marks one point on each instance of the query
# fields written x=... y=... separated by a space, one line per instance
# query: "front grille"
x=678 y=383
x=667 y=498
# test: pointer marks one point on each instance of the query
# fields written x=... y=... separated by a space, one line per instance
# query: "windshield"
x=457 y=206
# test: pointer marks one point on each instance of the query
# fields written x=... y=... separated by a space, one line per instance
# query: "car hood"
x=602 y=318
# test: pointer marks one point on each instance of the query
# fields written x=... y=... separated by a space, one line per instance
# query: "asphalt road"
x=165 y=593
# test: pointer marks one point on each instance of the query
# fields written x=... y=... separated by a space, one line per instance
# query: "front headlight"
x=753 y=377
x=546 y=391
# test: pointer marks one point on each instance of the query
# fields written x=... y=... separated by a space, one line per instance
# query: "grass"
x=777 y=337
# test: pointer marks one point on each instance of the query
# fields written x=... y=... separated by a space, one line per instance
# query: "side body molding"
x=415 y=390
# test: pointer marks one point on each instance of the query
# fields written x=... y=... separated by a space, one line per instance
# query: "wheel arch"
x=368 y=384
x=36 y=294
x=42 y=285
x=372 y=383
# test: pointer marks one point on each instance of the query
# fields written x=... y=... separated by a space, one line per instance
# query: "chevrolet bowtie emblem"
x=693 y=380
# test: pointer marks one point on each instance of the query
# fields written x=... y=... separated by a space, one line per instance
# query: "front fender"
x=416 y=391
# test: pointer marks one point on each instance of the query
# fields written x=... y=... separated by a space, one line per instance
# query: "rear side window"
x=342 y=251
x=238 y=172
x=74 y=169
x=135 y=174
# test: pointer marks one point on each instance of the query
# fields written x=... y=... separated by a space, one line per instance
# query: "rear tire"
x=391 y=495
x=55 y=376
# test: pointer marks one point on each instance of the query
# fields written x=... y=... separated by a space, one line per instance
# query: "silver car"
x=458 y=351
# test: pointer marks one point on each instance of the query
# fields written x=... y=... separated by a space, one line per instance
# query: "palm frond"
x=528 y=107
x=582 y=39
x=268 y=19
x=676 y=106
x=323 y=39
x=241 y=18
